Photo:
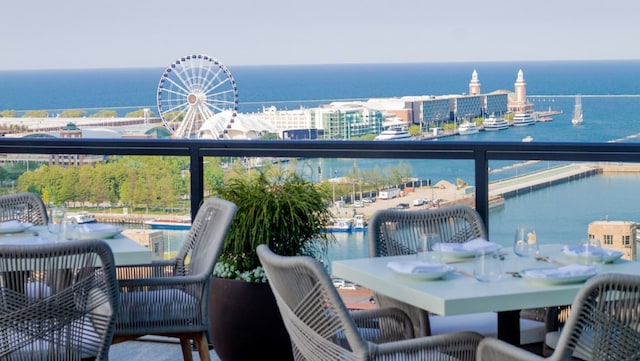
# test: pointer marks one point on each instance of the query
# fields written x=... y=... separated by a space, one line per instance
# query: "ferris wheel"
x=192 y=91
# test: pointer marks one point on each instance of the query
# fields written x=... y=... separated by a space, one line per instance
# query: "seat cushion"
x=551 y=341
x=486 y=323
x=157 y=306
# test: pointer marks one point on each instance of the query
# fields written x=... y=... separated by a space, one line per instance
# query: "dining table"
x=126 y=251
x=458 y=291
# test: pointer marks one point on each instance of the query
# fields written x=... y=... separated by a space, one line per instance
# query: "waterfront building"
x=618 y=235
x=518 y=103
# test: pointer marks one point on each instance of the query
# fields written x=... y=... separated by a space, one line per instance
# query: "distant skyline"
x=76 y=34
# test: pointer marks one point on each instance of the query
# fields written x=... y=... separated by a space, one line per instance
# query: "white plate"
x=608 y=256
x=95 y=231
x=461 y=252
x=14 y=226
x=530 y=274
x=433 y=273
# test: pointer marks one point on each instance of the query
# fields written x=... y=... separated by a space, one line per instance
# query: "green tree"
x=73 y=113
x=415 y=130
x=105 y=114
x=8 y=113
x=35 y=114
x=139 y=114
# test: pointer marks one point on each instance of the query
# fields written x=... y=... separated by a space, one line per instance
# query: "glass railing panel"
x=565 y=201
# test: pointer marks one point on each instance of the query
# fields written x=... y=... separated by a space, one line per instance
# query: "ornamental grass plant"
x=278 y=208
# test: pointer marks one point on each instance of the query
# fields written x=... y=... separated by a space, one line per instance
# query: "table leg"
x=509 y=326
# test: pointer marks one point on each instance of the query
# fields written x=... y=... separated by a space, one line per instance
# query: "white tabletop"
x=125 y=250
x=458 y=293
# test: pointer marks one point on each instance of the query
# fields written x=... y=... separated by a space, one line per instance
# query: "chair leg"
x=185 y=345
x=203 y=346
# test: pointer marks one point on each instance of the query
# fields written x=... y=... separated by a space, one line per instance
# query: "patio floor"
x=151 y=348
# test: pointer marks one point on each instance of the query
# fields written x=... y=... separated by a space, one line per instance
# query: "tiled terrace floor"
x=151 y=348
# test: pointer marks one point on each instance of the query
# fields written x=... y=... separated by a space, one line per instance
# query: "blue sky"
x=44 y=34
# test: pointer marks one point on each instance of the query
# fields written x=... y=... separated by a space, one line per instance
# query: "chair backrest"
x=25 y=207
x=604 y=321
x=394 y=232
x=203 y=243
x=318 y=322
x=57 y=301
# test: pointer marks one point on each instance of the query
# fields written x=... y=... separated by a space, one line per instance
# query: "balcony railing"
x=480 y=153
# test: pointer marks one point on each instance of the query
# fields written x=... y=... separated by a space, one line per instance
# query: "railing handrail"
x=480 y=152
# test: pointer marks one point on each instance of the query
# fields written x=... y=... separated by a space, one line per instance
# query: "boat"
x=393 y=134
x=467 y=128
x=523 y=119
x=82 y=217
x=492 y=124
x=527 y=139
x=341 y=225
x=360 y=224
x=170 y=223
x=577 y=112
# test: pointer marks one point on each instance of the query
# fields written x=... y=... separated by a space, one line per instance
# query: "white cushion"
x=486 y=323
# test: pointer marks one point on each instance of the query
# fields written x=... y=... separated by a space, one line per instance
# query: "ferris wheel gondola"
x=192 y=91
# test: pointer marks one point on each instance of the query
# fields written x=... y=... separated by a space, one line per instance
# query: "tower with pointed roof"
x=474 y=85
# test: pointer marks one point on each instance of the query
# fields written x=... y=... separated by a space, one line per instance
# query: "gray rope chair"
x=603 y=324
x=322 y=328
x=395 y=232
x=24 y=207
x=65 y=309
x=171 y=297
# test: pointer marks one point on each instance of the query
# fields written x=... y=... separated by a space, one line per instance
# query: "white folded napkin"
x=416 y=267
x=564 y=271
x=468 y=246
x=575 y=250
x=12 y=224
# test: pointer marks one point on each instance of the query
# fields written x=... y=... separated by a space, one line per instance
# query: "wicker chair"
x=66 y=309
x=394 y=232
x=171 y=297
x=25 y=207
x=322 y=328
x=603 y=325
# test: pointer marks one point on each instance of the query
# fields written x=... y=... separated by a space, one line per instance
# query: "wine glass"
x=426 y=251
x=57 y=219
x=487 y=266
x=525 y=242
x=590 y=252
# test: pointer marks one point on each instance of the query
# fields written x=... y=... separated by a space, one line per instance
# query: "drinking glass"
x=590 y=252
x=487 y=266
x=426 y=250
x=526 y=241
x=57 y=219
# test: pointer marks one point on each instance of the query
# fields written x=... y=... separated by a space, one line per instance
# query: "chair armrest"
x=492 y=349
x=151 y=282
x=457 y=345
x=383 y=324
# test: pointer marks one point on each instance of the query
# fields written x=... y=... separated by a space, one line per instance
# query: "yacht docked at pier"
x=523 y=119
x=468 y=128
x=492 y=124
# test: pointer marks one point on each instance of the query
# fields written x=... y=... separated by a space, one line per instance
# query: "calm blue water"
x=561 y=213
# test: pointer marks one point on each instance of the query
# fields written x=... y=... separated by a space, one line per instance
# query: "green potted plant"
x=287 y=213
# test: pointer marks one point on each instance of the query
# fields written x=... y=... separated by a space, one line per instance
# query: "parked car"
x=368 y=200
x=419 y=202
x=349 y=286
x=402 y=206
x=358 y=204
x=338 y=282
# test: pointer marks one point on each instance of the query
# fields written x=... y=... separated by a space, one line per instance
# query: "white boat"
x=360 y=224
x=577 y=112
x=523 y=119
x=82 y=217
x=492 y=124
x=468 y=128
x=171 y=223
x=341 y=225
x=393 y=134
x=527 y=139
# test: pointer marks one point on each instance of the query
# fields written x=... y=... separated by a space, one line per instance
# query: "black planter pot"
x=245 y=322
